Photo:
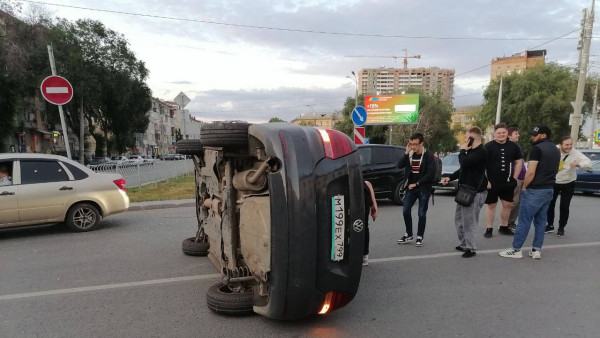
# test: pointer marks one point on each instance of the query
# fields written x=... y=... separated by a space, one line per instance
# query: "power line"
x=282 y=28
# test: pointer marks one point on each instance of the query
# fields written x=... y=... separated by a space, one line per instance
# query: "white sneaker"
x=535 y=254
x=511 y=253
x=365 y=260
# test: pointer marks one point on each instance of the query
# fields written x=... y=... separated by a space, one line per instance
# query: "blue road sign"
x=366 y=140
x=359 y=116
x=597 y=136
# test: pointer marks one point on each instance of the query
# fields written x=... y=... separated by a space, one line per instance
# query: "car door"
x=9 y=212
x=45 y=191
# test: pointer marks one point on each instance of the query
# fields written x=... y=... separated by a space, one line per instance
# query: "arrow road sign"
x=359 y=116
x=56 y=90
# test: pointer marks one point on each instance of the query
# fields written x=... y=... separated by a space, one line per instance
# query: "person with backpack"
x=420 y=168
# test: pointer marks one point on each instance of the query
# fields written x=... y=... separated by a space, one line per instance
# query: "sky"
x=254 y=60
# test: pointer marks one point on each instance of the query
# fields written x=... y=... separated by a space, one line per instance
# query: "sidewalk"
x=162 y=204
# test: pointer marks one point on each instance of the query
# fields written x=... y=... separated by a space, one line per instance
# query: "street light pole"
x=355 y=79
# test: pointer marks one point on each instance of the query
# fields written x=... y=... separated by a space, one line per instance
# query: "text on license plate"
x=338 y=227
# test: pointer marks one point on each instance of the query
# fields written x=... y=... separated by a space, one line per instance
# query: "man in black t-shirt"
x=503 y=167
x=538 y=189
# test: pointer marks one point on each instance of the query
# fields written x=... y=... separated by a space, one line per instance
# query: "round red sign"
x=57 y=90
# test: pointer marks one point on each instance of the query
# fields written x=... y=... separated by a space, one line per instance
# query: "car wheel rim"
x=84 y=218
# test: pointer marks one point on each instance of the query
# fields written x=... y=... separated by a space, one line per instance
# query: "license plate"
x=338 y=227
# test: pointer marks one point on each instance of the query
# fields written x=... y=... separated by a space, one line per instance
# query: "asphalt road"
x=130 y=279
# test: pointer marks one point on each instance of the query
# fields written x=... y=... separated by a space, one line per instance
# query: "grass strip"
x=177 y=188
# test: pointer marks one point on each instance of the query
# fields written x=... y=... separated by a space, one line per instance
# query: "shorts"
x=505 y=192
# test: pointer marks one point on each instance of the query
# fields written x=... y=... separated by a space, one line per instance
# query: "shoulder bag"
x=465 y=195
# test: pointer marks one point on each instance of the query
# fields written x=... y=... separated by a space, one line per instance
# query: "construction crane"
x=405 y=57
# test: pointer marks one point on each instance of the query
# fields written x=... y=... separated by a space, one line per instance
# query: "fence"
x=146 y=173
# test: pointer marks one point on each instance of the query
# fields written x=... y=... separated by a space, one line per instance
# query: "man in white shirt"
x=570 y=160
x=5 y=178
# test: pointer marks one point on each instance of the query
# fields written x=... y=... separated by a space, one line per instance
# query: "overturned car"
x=280 y=211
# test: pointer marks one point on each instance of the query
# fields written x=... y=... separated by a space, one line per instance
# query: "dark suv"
x=382 y=166
x=280 y=211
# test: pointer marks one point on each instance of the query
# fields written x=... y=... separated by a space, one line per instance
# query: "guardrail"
x=147 y=173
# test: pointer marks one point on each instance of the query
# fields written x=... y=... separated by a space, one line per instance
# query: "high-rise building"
x=392 y=80
x=517 y=63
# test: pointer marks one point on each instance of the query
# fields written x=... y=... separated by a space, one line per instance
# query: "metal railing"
x=147 y=173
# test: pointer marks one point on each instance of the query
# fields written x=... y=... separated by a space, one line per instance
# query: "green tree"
x=539 y=95
x=275 y=119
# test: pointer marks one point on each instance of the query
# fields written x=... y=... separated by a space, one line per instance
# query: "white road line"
x=57 y=90
x=215 y=275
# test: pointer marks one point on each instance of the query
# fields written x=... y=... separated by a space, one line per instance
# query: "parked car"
x=99 y=160
x=117 y=160
x=134 y=159
x=53 y=189
x=382 y=166
x=592 y=154
x=171 y=157
x=588 y=181
x=148 y=159
x=280 y=211
x=450 y=164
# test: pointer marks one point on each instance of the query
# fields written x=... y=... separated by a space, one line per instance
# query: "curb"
x=161 y=205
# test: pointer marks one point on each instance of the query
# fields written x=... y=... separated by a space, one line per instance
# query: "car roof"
x=36 y=156
x=379 y=146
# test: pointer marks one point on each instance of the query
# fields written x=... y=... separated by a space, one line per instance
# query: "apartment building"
x=463 y=118
x=323 y=120
x=517 y=63
x=382 y=80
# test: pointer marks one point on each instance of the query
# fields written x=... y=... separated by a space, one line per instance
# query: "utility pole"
x=584 y=56
x=81 y=135
x=60 y=110
x=499 y=105
x=594 y=113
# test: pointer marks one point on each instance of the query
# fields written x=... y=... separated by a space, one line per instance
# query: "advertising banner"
x=392 y=109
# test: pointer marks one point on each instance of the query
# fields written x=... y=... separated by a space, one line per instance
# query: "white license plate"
x=338 y=227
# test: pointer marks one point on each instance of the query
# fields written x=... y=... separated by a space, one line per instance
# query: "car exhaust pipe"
x=252 y=180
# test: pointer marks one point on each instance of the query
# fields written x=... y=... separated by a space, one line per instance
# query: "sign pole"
x=60 y=110
x=390 y=134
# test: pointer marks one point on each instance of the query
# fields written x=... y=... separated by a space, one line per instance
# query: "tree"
x=540 y=95
x=275 y=119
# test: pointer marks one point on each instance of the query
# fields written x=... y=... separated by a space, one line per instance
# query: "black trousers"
x=566 y=192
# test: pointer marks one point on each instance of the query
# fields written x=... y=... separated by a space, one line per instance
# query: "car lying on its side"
x=54 y=189
x=280 y=211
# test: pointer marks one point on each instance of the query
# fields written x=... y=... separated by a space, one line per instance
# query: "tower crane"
x=395 y=57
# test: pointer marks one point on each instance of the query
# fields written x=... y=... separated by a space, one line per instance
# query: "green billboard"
x=392 y=109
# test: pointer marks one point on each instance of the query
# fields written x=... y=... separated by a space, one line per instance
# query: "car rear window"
x=78 y=174
x=42 y=172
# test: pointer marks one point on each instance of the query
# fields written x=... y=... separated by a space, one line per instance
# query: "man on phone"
x=472 y=158
x=420 y=172
x=503 y=168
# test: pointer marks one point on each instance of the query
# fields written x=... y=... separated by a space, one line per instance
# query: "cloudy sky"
x=258 y=59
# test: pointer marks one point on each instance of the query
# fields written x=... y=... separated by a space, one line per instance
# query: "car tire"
x=221 y=299
x=190 y=147
x=398 y=195
x=83 y=217
x=222 y=134
x=190 y=247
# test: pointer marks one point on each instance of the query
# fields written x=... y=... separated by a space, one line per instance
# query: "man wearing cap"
x=538 y=189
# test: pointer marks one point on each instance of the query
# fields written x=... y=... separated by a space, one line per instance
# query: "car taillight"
x=335 y=300
x=335 y=143
x=121 y=184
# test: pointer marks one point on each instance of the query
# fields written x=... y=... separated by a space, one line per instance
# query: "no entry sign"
x=57 y=90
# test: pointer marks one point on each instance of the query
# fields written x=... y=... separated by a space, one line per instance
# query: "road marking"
x=108 y=286
x=216 y=275
x=57 y=90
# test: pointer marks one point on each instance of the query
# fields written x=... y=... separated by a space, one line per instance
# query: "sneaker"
x=405 y=239
x=419 y=241
x=560 y=232
x=511 y=253
x=549 y=228
x=535 y=254
x=460 y=248
x=505 y=230
x=512 y=227
x=469 y=253
x=365 y=260
x=488 y=233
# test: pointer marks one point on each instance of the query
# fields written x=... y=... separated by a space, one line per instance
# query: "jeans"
x=410 y=197
x=534 y=207
x=566 y=192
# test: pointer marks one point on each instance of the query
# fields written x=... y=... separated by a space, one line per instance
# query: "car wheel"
x=398 y=193
x=222 y=299
x=82 y=217
x=190 y=147
x=190 y=247
x=221 y=134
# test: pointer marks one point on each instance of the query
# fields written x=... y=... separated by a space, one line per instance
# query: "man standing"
x=503 y=168
x=419 y=166
x=570 y=160
x=537 y=192
x=513 y=135
x=473 y=158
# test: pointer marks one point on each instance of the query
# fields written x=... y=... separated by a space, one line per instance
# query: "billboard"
x=392 y=109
